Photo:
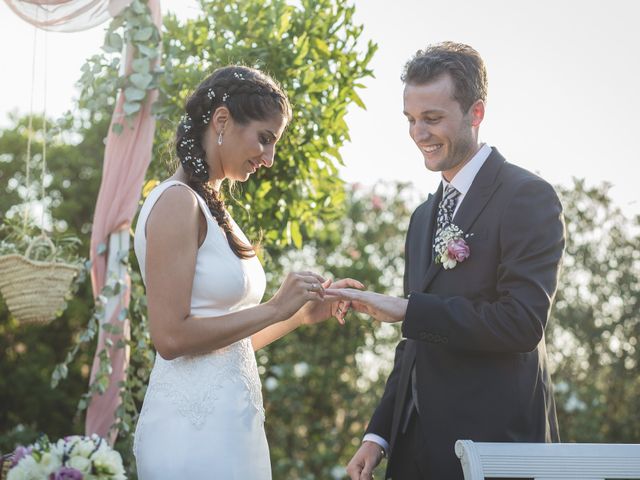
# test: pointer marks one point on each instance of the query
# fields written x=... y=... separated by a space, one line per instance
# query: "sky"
x=564 y=78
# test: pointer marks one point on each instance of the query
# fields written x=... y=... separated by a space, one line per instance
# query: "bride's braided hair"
x=249 y=95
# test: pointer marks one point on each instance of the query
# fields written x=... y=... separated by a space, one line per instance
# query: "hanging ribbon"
x=127 y=156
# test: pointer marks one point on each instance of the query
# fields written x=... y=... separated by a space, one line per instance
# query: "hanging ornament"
x=33 y=289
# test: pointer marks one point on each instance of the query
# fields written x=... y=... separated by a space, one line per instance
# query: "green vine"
x=16 y=236
x=99 y=80
x=142 y=355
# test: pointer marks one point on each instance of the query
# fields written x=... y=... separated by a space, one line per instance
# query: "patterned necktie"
x=445 y=211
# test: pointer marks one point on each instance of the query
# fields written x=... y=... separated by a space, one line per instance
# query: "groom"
x=473 y=364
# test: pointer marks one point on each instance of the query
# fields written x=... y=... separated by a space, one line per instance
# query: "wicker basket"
x=35 y=291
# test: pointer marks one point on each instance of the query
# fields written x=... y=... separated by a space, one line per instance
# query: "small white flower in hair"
x=239 y=76
x=225 y=97
x=186 y=122
x=211 y=94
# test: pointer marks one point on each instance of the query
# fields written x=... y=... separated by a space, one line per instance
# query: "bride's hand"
x=319 y=311
x=297 y=289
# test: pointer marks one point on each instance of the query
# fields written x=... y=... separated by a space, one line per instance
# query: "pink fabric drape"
x=66 y=15
x=127 y=156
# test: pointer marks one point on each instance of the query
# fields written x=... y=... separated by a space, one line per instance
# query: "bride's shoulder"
x=176 y=206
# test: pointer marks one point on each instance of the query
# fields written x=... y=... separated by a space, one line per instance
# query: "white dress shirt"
x=464 y=178
x=461 y=182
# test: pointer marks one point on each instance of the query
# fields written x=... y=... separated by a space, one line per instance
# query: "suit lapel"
x=431 y=223
x=479 y=193
x=421 y=243
x=473 y=203
x=432 y=271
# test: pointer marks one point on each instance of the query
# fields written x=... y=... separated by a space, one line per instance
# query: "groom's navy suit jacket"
x=476 y=332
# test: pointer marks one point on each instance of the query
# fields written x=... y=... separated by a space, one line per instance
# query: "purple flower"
x=66 y=473
x=20 y=453
x=458 y=250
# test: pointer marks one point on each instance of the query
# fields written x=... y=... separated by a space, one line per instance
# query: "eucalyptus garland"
x=140 y=363
x=100 y=77
x=99 y=81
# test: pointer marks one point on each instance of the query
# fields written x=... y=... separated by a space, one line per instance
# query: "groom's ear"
x=477 y=113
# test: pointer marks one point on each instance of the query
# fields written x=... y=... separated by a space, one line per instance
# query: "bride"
x=202 y=415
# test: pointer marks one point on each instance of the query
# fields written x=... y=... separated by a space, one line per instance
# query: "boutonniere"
x=451 y=246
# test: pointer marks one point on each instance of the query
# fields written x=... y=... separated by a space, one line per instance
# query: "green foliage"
x=310 y=49
x=74 y=154
x=323 y=382
x=23 y=231
x=595 y=329
x=28 y=353
x=23 y=237
x=133 y=27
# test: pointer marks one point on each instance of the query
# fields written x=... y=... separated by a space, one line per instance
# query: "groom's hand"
x=364 y=461
x=384 y=308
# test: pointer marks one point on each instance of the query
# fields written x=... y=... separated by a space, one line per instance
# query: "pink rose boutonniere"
x=451 y=246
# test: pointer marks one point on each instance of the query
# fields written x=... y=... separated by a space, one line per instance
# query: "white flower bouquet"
x=70 y=458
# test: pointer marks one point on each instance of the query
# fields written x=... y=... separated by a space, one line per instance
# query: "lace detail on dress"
x=250 y=376
x=193 y=383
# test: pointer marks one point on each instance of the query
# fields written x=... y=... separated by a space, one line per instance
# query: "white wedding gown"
x=202 y=416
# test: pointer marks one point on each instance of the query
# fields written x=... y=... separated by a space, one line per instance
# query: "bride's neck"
x=181 y=176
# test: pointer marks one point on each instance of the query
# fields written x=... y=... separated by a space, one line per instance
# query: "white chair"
x=549 y=461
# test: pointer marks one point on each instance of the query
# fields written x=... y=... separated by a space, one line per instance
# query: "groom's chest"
x=476 y=274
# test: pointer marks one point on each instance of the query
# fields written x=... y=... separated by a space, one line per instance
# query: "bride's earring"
x=220 y=138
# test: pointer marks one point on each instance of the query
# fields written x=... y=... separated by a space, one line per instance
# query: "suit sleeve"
x=382 y=417
x=531 y=243
x=405 y=279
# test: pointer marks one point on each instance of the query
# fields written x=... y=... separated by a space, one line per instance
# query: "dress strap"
x=170 y=183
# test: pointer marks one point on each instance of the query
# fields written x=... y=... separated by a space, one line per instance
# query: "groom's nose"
x=420 y=132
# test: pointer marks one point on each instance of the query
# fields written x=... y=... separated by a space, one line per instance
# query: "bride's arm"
x=172 y=244
x=273 y=332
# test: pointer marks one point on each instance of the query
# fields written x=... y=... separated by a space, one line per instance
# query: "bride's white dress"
x=202 y=416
